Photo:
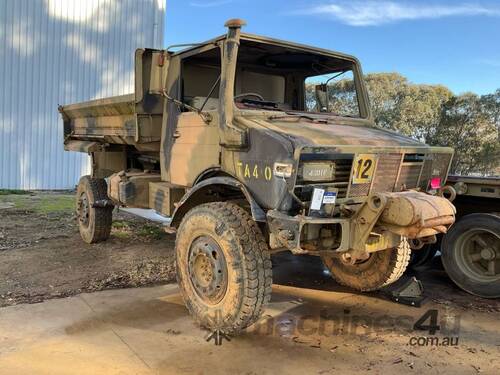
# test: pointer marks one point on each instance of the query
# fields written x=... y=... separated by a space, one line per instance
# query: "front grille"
x=426 y=173
x=359 y=190
x=408 y=177
x=393 y=172
x=384 y=178
x=303 y=189
x=441 y=163
x=342 y=176
x=386 y=173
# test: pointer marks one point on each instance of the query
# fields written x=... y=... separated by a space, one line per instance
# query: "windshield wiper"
x=260 y=103
x=298 y=116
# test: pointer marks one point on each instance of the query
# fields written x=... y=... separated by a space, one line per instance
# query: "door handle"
x=176 y=134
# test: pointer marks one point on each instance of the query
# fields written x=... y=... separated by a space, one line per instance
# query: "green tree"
x=411 y=109
x=431 y=114
x=467 y=127
x=386 y=91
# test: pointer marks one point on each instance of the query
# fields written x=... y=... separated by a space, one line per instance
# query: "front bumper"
x=374 y=226
x=288 y=232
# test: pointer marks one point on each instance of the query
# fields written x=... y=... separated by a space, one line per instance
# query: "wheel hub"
x=83 y=209
x=488 y=254
x=479 y=255
x=207 y=269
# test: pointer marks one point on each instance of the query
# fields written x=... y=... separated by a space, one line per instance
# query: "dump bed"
x=133 y=119
x=112 y=119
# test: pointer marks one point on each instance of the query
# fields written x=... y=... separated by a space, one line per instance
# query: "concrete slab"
x=304 y=331
x=148 y=331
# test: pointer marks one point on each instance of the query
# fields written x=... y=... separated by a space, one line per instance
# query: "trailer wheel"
x=223 y=267
x=380 y=269
x=94 y=223
x=471 y=254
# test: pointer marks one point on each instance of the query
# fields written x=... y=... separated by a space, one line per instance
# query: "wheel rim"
x=83 y=209
x=478 y=255
x=207 y=269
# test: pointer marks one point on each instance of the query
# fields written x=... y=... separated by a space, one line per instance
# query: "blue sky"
x=452 y=42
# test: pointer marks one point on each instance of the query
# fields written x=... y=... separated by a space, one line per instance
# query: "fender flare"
x=198 y=190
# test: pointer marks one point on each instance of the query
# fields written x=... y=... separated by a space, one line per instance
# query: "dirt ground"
x=42 y=255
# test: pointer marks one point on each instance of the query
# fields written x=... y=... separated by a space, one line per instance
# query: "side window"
x=333 y=92
x=200 y=80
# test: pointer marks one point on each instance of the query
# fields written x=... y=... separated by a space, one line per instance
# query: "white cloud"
x=209 y=3
x=372 y=13
x=490 y=62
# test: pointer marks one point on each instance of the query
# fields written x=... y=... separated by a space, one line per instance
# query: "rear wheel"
x=380 y=269
x=471 y=254
x=94 y=223
x=223 y=267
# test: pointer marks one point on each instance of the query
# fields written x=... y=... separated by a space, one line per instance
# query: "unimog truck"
x=251 y=145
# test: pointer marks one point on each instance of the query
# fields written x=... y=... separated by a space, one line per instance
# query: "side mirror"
x=321 y=93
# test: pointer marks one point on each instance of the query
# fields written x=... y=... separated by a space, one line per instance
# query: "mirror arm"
x=210 y=93
x=207 y=117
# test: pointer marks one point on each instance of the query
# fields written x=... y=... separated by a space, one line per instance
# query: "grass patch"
x=41 y=203
x=120 y=224
x=55 y=203
x=20 y=202
x=151 y=231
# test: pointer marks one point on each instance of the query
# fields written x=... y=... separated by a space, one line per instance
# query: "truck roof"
x=272 y=41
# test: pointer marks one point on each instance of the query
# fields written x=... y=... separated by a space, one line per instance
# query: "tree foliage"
x=433 y=114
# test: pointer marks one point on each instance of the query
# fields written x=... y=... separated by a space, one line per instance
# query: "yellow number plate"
x=363 y=168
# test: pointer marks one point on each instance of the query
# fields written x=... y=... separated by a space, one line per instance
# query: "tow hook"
x=447 y=192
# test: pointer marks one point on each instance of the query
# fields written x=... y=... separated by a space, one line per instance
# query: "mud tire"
x=247 y=261
x=380 y=269
x=459 y=265
x=95 y=224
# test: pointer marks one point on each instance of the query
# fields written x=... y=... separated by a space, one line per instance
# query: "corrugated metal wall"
x=58 y=52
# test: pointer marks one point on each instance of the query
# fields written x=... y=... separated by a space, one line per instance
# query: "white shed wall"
x=59 y=52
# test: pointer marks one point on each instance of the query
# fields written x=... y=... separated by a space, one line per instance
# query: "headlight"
x=283 y=169
x=317 y=171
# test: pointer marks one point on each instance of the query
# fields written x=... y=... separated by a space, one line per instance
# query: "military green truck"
x=225 y=140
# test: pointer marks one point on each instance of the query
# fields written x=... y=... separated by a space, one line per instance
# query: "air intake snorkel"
x=231 y=136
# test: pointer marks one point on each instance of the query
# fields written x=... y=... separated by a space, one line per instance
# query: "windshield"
x=280 y=78
x=334 y=93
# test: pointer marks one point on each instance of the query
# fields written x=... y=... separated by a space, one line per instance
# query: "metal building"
x=58 y=52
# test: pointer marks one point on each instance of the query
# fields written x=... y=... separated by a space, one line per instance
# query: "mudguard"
x=193 y=196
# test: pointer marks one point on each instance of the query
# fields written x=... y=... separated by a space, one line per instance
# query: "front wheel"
x=380 y=269
x=471 y=254
x=223 y=267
